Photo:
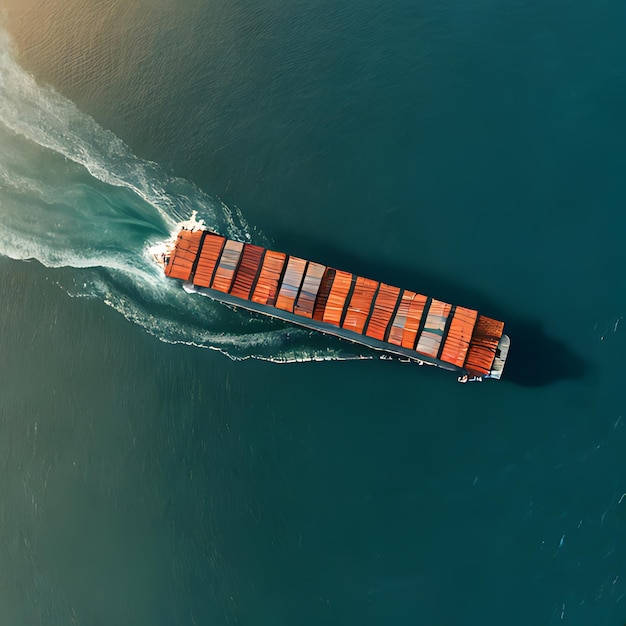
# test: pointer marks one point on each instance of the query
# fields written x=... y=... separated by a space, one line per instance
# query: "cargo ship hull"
x=401 y=323
x=328 y=329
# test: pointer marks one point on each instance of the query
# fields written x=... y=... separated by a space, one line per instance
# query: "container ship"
x=401 y=323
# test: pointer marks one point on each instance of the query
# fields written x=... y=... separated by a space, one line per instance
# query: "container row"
x=183 y=256
x=483 y=346
x=432 y=328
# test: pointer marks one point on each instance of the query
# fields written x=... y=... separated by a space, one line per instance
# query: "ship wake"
x=73 y=195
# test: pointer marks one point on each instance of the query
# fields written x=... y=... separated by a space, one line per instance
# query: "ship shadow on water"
x=536 y=359
x=539 y=359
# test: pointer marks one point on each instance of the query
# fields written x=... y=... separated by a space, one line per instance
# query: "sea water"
x=166 y=460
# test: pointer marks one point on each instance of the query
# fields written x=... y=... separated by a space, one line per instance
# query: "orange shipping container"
x=209 y=255
x=384 y=306
x=248 y=269
x=430 y=338
x=322 y=293
x=227 y=266
x=360 y=304
x=483 y=345
x=310 y=287
x=267 y=284
x=184 y=254
x=459 y=335
x=290 y=285
x=337 y=298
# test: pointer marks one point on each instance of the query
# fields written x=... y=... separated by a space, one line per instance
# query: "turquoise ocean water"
x=168 y=461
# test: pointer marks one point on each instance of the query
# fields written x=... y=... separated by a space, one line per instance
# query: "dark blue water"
x=157 y=465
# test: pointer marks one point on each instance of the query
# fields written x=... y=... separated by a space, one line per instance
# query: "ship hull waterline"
x=327 y=329
x=400 y=323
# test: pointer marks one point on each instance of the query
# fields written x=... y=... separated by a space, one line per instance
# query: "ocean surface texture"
x=165 y=460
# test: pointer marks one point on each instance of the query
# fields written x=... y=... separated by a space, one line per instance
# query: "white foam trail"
x=44 y=117
x=72 y=194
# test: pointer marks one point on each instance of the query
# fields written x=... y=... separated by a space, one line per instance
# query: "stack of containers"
x=248 y=268
x=290 y=285
x=360 y=304
x=267 y=283
x=483 y=345
x=458 y=336
x=402 y=317
x=322 y=295
x=333 y=311
x=211 y=250
x=227 y=266
x=384 y=307
x=417 y=309
x=310 y=288
x=430 y=338
x=182 y=258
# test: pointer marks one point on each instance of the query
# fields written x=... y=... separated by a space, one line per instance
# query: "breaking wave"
x=72 y=194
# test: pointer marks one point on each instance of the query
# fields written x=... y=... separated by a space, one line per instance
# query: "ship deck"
x=398 y=322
